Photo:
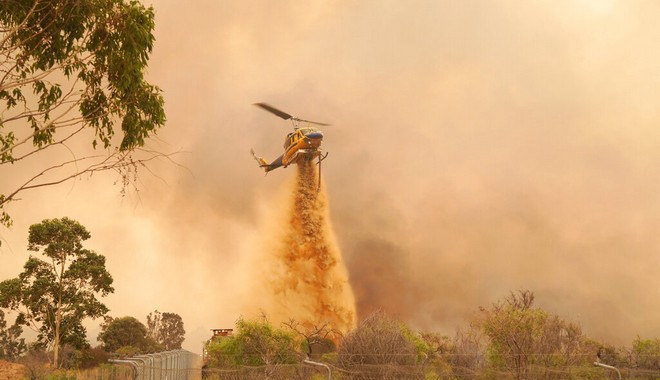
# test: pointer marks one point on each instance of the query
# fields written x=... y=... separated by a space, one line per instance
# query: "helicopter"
x=304 y=143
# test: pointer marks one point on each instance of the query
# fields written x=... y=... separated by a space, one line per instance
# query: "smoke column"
x=305 y=277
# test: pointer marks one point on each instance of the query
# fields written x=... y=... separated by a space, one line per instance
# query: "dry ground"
x=11 y=371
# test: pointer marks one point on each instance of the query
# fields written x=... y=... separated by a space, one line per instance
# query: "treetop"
x=58 y=236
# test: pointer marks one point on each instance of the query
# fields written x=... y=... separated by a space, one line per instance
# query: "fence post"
x=599 y=364
x=322 y=365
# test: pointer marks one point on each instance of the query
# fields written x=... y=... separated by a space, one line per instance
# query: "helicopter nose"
x=314 y=135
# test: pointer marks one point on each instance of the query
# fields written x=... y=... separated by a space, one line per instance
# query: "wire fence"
x=416 y=372
x=170 y=365
x=137 y=369
x=105 y=372
x=184 y=365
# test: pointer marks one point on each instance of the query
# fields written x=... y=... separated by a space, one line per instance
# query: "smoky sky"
x=476 y=148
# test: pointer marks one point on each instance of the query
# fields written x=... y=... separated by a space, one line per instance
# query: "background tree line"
x=56 y=292
x=510 y=339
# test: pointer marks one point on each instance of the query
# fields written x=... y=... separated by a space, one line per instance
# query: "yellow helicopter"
x=304 y=143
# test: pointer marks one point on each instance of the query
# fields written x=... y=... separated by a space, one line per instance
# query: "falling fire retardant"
x=303 y=277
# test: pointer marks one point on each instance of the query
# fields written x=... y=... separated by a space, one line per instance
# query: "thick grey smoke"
x=476 y=148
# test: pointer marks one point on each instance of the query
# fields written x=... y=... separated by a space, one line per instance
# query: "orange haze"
x=476 y=147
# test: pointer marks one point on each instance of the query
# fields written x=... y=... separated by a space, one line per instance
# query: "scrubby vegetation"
x=510 y=339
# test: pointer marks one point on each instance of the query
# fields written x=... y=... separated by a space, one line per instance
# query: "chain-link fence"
x=184 y=365
x=168 y=365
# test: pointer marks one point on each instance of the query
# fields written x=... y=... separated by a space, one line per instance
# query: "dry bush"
x=468 y=356
x=379 y=347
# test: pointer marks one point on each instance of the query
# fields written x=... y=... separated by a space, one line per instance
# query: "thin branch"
x=106 y=164
x=61 y=142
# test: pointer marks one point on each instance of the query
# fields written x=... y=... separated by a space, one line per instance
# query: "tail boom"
x=264 y=164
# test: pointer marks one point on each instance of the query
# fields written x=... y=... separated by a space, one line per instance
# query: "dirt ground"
x=11 y=371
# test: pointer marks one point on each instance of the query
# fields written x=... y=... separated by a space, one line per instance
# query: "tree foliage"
x=523 y=338
x=127 y=334
x=11 y=344
x=256 y=343
x=71 y=66
x=166 y=329
x=645 y=353
x=56 y=295
x=443 y=356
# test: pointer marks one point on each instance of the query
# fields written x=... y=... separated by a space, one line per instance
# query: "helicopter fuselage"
x=303 y=143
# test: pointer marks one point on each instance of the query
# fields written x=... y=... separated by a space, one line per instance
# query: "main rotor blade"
x=274 y=110
x=285 y=115
x=311 y=122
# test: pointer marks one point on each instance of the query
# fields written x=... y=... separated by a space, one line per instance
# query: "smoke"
x=383 y=280
x=303 y=275
x=476 y=148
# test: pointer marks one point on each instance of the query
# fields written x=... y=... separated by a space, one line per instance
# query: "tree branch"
x=115 y=161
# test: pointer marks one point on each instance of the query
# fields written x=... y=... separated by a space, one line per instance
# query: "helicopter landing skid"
x=321 y=158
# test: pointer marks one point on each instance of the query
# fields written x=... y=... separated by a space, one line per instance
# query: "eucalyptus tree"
x=72 y=75
x=166 y=329
x=55 y=294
